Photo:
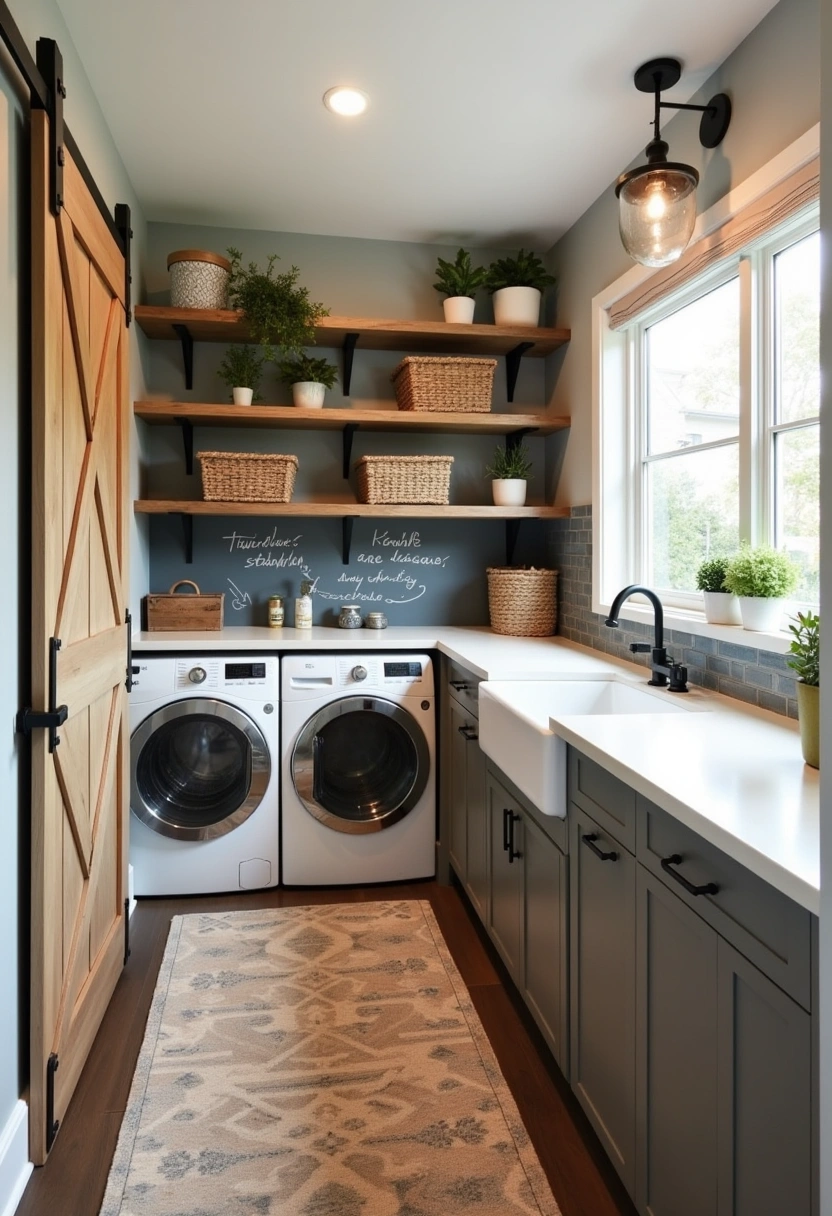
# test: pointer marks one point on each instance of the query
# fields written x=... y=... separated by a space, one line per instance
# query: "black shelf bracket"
x=515 y=438
x=188 y=534
x=187 y=442
x=122 y=220
x=184 y=335
x=346 y=537
x=512 y=532
x=347 y=438
x=350 y=343
x=513 y=358
x=51 y=65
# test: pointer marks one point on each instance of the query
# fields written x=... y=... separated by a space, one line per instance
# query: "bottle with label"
x=303 y=607
x=276 y=612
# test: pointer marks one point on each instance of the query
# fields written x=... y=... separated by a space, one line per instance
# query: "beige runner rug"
x=322 y=1061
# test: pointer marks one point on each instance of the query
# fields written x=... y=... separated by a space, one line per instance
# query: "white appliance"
x=204 y=780
x=358 y=783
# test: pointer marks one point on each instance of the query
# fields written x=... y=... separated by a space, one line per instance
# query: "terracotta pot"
x=808 y=711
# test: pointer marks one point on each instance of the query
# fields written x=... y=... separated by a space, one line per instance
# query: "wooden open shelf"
x=168 y=506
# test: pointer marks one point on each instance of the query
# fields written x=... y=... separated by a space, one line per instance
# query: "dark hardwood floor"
x=72 y=1181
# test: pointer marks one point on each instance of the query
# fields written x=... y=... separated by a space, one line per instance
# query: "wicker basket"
x=521 y=602
x=460 y=386
x=247 y=476
x=404 y=479
x=198 y=279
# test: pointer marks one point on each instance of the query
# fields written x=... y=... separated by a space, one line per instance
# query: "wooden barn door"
x=80 y=791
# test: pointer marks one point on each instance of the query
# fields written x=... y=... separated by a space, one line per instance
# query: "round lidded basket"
x=198 y=279
x=522 y=602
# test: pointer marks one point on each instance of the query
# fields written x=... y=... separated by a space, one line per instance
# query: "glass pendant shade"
x=657 y=212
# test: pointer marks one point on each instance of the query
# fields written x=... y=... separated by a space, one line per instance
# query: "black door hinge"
x=33 y=719
x=52 y=1124
x=122 y=218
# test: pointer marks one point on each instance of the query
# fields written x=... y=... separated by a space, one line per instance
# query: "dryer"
x=359 y=762
x=204 y=774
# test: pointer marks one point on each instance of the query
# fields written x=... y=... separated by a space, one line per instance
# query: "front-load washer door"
x=360 y=764
x=199 y=768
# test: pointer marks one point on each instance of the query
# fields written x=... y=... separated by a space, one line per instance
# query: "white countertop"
x=734 y=775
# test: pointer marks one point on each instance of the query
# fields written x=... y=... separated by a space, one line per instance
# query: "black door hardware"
x=52 y=1124
x=708 y=888
x=126 y=931
x=506 y=828
x=589 y=840
x=468 y=732
x=50 y=719
x=459 y=685
x=131 y=670
x=513 y=853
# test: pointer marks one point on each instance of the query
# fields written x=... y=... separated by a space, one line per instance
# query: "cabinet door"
x=676 y=1055
x=545 y=938
x=602 y=958
x=460 y=724
x=477 y=828
x=765 y=1095
x=505 y=872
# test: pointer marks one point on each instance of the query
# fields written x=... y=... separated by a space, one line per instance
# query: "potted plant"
x=805 y=660
x=517 y=285
x=309 y=378
x=762 y=578
x=509 y=474
x=280 y=315
x=241 y=370
x=459 y=281
x=721 y=605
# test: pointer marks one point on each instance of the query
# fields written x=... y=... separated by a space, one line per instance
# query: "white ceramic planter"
x=761 y=615
x=308 y=394
x=721 y=608
x=458 y=309
x=509 y=491
x=242 y=396
x=517 y=306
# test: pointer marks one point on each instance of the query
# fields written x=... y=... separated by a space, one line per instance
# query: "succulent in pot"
x=517 y=285
x=280 y=315
x=241 y=369
x=762 y=578
x=509 y=473
x=721 y=605
x=459 y=282
x=805 y=661
x=309 y=378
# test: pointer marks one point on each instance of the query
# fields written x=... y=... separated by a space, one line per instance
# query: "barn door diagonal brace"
x=50 y=719
x=51 y=64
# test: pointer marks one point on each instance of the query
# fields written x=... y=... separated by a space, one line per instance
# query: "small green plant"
x=762 y=572
x=303 y=367
x=805 y=647
x=279 y=313
x=711 y=574
x=459 y=278
x=526 y=270
x=510 y=463
x=242 y=367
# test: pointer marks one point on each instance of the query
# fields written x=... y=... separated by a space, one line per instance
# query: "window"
x=720 y=390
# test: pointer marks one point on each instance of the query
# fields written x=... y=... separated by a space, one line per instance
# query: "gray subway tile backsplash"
x=758 y=677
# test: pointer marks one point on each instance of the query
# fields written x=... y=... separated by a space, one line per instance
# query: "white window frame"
x=618 y=440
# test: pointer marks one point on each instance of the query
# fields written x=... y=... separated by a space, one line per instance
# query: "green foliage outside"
x=279 y=313
x=459 y=278
x=510 y=463
x=526 y=270
x=711 y=574
x=242 y=367
x=689 y=527
x=761 y=572
x=805 y=647
x=304 y=367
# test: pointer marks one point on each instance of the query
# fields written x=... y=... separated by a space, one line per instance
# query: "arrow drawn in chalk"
x=241 y=598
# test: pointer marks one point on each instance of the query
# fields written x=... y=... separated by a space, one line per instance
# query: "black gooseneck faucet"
x=666 y=673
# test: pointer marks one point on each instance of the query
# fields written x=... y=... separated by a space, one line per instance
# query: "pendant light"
x=657 y=201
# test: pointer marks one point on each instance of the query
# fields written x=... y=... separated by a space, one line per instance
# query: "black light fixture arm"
x=658 y=75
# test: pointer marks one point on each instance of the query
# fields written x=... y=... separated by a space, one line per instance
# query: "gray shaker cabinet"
x=546 y=937
x=460 y=723
x=505 y=874
x=464 y=788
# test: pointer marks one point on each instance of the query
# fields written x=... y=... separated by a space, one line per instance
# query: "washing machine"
x=204 y=774
x=358 y=783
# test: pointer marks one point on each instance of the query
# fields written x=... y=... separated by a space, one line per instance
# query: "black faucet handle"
x=640 y=647
x=678 y=678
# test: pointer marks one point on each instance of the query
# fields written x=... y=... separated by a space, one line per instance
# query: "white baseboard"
x=15 y=1166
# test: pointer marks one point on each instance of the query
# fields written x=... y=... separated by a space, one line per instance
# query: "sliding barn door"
x=80 y=795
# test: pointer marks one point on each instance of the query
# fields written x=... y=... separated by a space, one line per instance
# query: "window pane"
x=693 y=514
x=797 y=321
x=797 y=509
x=693 y=372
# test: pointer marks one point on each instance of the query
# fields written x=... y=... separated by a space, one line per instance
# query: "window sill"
x=695 y=623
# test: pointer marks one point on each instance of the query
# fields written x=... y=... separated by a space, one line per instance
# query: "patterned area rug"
x=322 y=1061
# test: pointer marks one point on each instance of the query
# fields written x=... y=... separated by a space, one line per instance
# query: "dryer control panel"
x=310 y=677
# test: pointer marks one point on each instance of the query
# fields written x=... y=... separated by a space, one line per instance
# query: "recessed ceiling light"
x=346 y=101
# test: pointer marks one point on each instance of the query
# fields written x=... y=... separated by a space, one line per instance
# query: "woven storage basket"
x=522 y=602
x=198 y=279
x=405 y=479
x=460 y=386
x=247 y=476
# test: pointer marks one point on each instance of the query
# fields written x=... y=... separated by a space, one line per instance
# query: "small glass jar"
x=375 y=620
x=277 y=612
x=349 y=617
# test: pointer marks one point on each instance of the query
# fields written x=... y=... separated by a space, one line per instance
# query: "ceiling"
x=490 y=123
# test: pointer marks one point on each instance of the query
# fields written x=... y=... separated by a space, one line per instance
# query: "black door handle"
x=512 y=852
x=708 y=888
x=506 y=828
x=459 y=685
x=589 y=840
x=468 y=732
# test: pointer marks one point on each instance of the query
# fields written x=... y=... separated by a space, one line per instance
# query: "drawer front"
x=610 y=802
x=763 y=924
x=462 y=687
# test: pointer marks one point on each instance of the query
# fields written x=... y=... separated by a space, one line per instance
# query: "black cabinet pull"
x=468 y=732
x=506 y=828
x=459 y=685
x=512 y=852
x=708 y=888
x=589 y=840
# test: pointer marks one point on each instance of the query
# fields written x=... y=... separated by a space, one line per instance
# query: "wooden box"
x=183 y=610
